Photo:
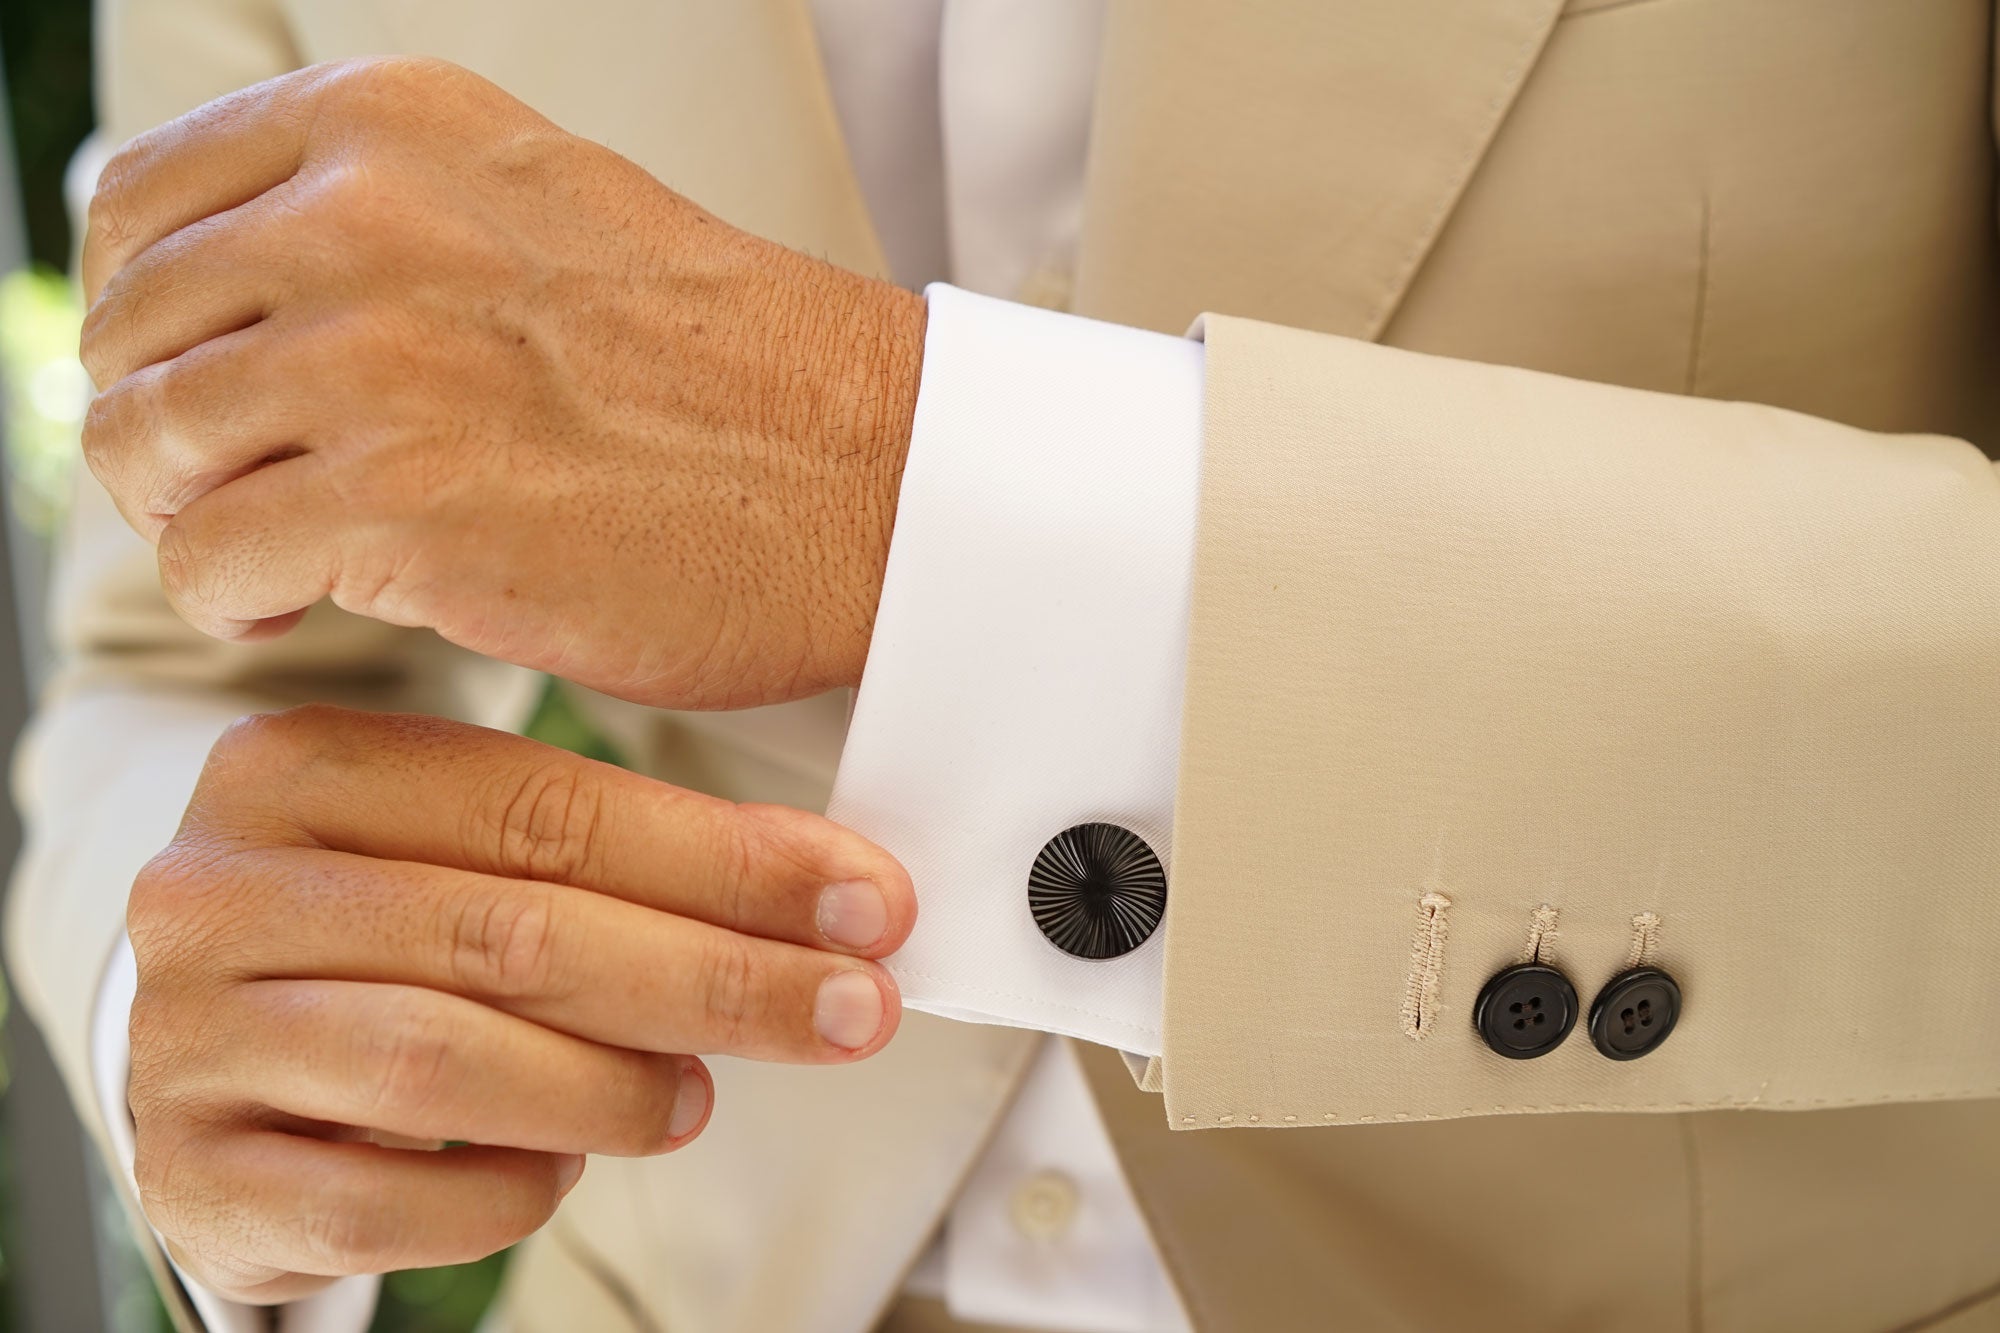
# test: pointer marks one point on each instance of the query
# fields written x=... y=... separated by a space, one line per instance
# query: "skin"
x=381 y=930
x=376 y=332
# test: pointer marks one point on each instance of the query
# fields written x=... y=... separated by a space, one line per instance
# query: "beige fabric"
x=1460 y=630
x=1518 y=640
x=1639 y=654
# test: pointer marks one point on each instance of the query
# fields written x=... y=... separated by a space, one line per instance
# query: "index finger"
x=214 y=158
x=408 y=788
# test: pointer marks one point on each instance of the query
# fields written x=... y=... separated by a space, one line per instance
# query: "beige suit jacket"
x=1588 y=524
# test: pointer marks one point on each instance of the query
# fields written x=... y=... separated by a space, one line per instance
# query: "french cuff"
x=1025 y=675
x=345 y=1307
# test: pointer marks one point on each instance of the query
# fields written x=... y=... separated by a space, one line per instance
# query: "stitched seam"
x=1759 y=1102
x=1420 y=992
x=1645 y=947
x=1540 y=947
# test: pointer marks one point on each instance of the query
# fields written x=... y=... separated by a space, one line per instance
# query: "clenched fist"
x=379 y=332
x=376 y=929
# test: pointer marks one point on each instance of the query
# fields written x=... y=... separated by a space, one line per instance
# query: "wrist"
x=875 y=354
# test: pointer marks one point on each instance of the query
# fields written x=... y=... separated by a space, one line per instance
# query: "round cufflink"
x=1097 y=891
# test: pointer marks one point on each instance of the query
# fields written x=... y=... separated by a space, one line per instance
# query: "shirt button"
x=1634 y=1013
x=1044 y=1205
x=1525 y=1011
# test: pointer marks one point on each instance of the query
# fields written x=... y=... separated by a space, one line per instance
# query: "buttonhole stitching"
x=1420 y=995
x=1540 y=947
x=1645 y=947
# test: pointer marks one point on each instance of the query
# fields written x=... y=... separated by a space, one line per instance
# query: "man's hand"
x=378 y=331
x=376 y=929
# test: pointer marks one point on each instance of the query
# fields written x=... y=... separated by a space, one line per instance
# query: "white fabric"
x=1026 y=669
x=1090 y=1274
x=1019 y=77
x=881 y=61
x=1041 y=563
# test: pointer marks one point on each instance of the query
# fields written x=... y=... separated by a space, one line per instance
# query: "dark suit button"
x=1525 y=1011
x=1097 y=891
x=1634 y=1013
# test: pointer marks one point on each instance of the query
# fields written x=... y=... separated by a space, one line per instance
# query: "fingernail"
x=853 y=914
x=690 y=1103
x=848 y=1012
x=568 y=1171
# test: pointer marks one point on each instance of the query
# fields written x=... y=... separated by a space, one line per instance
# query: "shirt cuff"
x=1026 y=670
x=344 y=1307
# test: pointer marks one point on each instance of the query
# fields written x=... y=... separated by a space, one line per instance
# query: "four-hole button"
x=1525 y=1011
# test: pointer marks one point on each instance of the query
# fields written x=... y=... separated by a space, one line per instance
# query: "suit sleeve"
x=1488 y=667
x=138 y=697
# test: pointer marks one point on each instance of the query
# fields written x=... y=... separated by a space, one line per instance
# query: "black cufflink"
x=1525 y=1011
x=1097 y=891
x=1634 y=1013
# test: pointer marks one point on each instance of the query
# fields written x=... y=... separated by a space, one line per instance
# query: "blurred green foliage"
x=46 y=392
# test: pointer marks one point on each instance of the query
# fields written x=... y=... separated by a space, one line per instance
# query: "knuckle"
x=149 y=1088
x=109 y=215
x=167 y=1168
x=348 y=194
x=503 y=944
x=94 y=340
x=727 y=978
x=178 y=396
x=155 y=909
x=382 y=88
x=310 y=725
x=306 y=747
x=407 y=1065
x=548 y=822
x=117 y=429
x=240 y=763
x=354 y=1232
x=184 y=574
x=105 y=423
x=282 y=738
x=160 y=1091
x=180 y=908
x=736 y=850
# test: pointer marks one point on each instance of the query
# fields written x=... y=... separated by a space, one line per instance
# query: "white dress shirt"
x=1025 y=673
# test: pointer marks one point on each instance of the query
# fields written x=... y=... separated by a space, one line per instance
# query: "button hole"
x=1420 y=992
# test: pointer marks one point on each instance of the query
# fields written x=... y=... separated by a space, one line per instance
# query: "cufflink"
x=1097 y=891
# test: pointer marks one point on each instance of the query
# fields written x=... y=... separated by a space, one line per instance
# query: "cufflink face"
x=1097 y=891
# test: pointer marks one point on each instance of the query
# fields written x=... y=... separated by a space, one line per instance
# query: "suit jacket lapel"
x=1291 y=160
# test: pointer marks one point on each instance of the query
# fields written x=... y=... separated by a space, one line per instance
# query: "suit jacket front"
x=1589 y=528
